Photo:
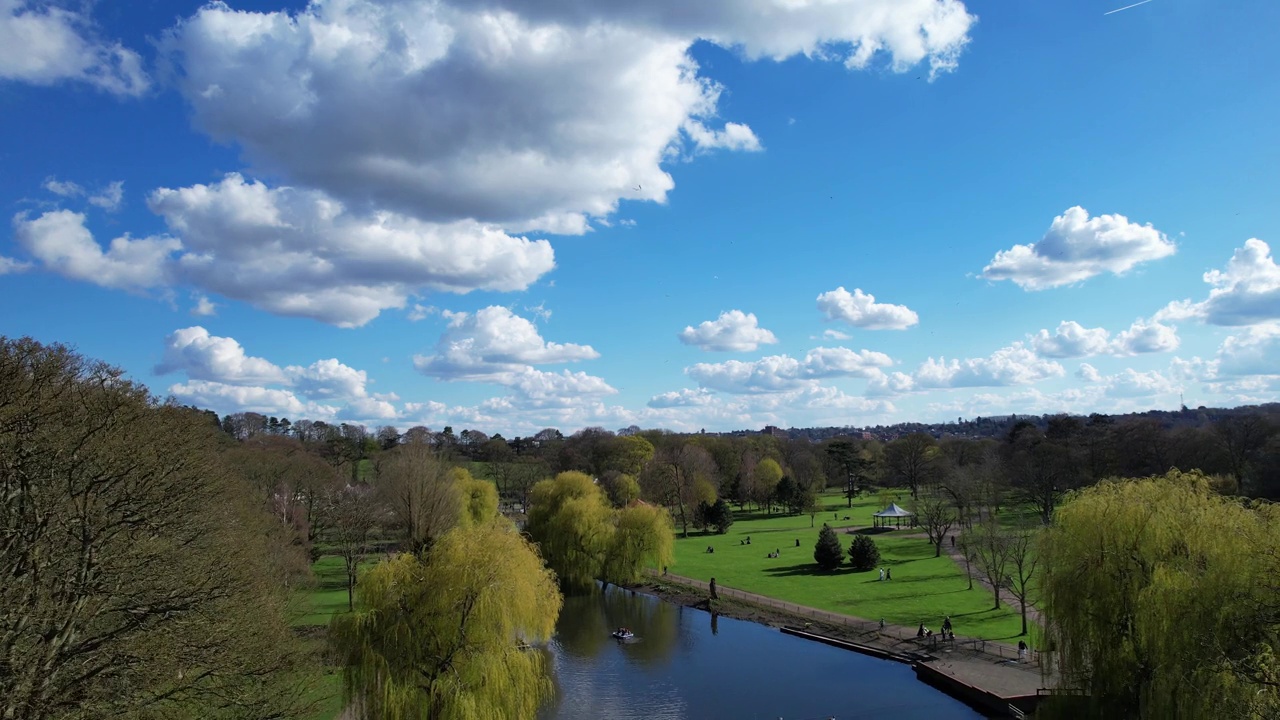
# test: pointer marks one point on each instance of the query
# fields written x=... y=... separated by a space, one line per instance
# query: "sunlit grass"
x=924 y=589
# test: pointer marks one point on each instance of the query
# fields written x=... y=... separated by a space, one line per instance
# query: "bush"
x=828 y=553
x=863 y=553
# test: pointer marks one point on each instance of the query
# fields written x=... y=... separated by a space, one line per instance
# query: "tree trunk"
x=351 y=592
x=996 y=589
x=937 y=549
x=1023 y=602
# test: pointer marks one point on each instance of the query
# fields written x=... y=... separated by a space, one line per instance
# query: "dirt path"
x=953 y=552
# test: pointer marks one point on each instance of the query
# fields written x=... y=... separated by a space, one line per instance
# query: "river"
x=684 y=664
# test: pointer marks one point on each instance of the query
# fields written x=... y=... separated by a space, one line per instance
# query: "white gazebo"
x=893 y=512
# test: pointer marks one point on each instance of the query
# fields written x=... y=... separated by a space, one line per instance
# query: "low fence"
x=881 y=630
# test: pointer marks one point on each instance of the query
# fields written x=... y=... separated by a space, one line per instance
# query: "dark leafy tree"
x=827 y=552
x=863 y=553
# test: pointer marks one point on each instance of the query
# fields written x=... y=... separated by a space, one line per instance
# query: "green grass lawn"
x=329 y=595
x=924 y=589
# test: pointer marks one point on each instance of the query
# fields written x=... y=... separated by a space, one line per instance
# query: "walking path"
x=953 y=552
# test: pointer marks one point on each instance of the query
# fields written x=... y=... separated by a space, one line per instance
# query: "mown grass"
x=924 y=588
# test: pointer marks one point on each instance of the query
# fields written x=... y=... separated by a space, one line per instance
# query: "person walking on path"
x=1022 y=651
x=888 y=573
x=881 y=574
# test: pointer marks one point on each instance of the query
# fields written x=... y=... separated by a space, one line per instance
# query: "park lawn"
x=924 y=588
x=328 y=596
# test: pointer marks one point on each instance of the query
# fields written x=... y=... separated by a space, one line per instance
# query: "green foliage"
x=480 y=498
x=569 y=519
x=139 y=576
x=621 y=488
x=1161 y=599
x=643 y=536
x=827 y=552
x=440 y=636
x=719 y=516
x=863 y=553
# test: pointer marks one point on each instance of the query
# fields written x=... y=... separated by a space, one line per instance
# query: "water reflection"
x=687 y=664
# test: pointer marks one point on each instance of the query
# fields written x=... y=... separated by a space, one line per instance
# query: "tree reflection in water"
x=587 y=621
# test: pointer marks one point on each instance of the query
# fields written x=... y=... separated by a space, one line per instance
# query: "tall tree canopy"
x=439 y=635
x=1162 y=600
x=137 y=581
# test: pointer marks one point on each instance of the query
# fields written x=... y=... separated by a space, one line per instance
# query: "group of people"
x=947 y=633
x=886 y=573
x=775 y=553
x=747 y=541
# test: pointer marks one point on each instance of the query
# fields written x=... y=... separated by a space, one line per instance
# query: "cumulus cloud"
x=860 y=309
x=204 y=307
x=1078 y=247
x=783 y=373
x=1255 y=351
x=43 y=44
x=1071 y=339
x=732 y=331
x=532 y=115
x=109 y=197
x=684 y=397
x=1088 y=373
x=328 y=379
x=299 y=252
x=1247 y=292
x=217 y=359
x=1131 y=383
x=1012 y=365
x=60 y=240
x=242 y=398
x=62 y=188
x=493 y=344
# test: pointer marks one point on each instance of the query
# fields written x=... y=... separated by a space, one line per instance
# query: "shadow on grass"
x=870 y=531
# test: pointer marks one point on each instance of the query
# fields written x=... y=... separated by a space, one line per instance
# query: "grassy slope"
x=923 y=589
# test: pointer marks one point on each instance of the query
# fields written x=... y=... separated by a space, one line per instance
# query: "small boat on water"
x=623 y=634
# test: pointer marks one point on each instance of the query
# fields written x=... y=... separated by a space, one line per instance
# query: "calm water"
x=685 y=665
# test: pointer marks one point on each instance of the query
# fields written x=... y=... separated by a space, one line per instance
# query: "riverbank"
x=987 y=675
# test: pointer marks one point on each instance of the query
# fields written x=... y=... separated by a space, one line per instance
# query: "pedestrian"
x=888 y=573
x=1022 y=651
x=797 y=542
x=881 y=574
x=953 y=541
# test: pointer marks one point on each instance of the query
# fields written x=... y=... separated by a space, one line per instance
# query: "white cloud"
x=734 y=136
x=62 y=243
x=890 y=384
x=1255 y=351
x=1088 y=373
x=732 y=331
x=216 y=359
x=420 y=312
x=860 y=309
x=9 y=265
x=62 y=188
x=834 y=335
x=1146 y=336
x=299 y=252
x=42 y=44
x=1131 y=383
x=783 y=373
x=325 y=379
x=684 y=397
x=1013 y=365
x=109 y=197
x=204 y=307
x=1071 y=339
x=243 y=398
x=533 y=115
x=1247 y=292
x=1078 y=247
x=493 y=344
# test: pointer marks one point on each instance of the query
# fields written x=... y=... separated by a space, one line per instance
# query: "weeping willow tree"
x=1160 y=599
x=570 y=520
x=643 y=536
x=443 y=635
x=479 y=498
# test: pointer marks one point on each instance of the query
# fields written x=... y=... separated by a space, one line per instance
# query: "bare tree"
x=673 y=477
x=418 y=491
x=936 y=516
x=990 y=554
x=1021 y=561
x=912 y=460
x=352 y=516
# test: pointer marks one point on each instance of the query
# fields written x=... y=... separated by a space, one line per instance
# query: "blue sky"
x=511 y=215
